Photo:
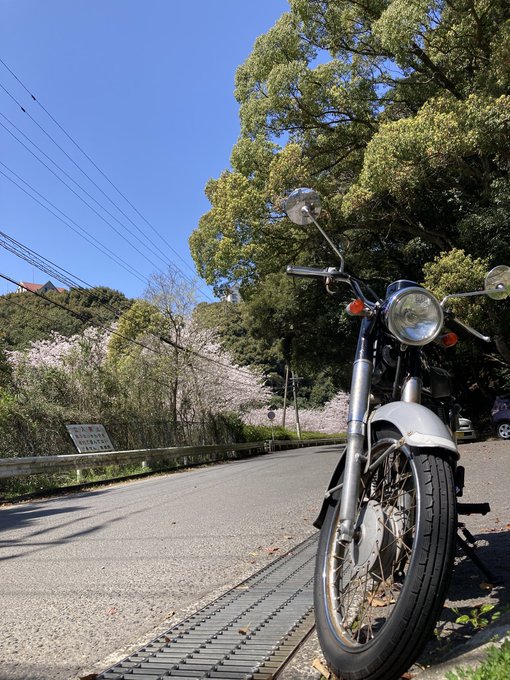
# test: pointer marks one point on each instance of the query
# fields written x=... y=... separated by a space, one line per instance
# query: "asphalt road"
x=89 y=577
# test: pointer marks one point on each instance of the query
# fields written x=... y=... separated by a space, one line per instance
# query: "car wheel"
x=503 y=430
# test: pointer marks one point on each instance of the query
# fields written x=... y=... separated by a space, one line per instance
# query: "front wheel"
x=377 y=600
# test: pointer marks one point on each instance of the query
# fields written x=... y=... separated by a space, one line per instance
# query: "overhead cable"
x=101 y=217
x=79 y=229
x=23 y=109
x=112 y=331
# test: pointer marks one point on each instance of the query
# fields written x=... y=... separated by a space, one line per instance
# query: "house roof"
x=34 y=287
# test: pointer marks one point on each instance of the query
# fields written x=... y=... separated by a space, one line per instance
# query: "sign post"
x=271 y=415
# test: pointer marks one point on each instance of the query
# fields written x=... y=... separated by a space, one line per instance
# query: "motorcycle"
x=389 y=517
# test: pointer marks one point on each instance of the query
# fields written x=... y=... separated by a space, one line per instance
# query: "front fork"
x=356 y=431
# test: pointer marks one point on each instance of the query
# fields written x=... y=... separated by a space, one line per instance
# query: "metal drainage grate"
x=246 y=634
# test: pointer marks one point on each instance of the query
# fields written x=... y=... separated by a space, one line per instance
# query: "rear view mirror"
x=497 y=282
x=303 y=206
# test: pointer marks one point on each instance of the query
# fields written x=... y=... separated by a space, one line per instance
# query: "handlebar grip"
x=309 y=272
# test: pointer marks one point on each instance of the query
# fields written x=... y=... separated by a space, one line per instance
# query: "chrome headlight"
x=414 y=316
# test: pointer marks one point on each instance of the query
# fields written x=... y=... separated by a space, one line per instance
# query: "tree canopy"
x=26 y=317
x=397 y=112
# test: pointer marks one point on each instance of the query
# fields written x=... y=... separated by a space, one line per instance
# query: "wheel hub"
x=504 y=430
x=374 y=549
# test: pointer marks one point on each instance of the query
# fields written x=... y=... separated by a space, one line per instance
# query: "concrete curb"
x=470 y=654
x=466 y=655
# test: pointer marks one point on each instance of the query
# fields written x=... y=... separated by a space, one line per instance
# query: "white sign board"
x=90 y=438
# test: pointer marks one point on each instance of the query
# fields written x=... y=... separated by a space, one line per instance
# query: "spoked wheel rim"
x=366 y=578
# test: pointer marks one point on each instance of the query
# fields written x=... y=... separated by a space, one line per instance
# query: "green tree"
x=26 y=317
x=397 y=113
x=141 y=322
x=478 y=368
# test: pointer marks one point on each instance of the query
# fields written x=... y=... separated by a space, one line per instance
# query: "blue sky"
x=146 y=89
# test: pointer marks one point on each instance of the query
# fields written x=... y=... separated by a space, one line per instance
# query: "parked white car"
x=465 y=431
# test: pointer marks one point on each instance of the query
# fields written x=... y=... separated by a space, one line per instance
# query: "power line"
x=66 y=174
x=62 y=275
x=25 y=253
x=154 y=250
x=152 y=378
x=38 y=260
x=163 y=339
x=81 y=197
x=96 y=167
x=82 y=231
x=53 y=270
x=46 y=318
x=75 y=143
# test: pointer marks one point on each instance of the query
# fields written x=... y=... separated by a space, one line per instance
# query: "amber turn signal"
x=449 y=339
x=356 y=307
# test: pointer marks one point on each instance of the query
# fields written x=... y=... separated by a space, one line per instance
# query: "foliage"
x=230 y=322
x=139 y=321
x=269 y=331
x=27 y=318
x=456 y=272
x=397 y=113
x=495 y=667
x=328 y=419
x=259 y=433
x=153 y=380
x=478 y=616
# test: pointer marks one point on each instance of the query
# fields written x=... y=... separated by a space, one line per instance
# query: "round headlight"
x=414 y=316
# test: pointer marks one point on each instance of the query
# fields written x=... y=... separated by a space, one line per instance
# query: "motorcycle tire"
x=378 y=599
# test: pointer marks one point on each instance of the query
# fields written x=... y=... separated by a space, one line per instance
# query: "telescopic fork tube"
x=356 y=431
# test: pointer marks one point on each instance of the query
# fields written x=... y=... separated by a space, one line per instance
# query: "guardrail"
x=33 y=465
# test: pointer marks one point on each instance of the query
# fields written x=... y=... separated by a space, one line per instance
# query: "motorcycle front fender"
x=419 y=426
x=330 y=499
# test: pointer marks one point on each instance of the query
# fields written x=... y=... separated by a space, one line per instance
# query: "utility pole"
x=295 y=381
x=285 y=394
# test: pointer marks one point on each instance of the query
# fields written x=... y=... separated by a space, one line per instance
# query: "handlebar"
x=328 y=274
x=463 y=329
x=312 y=272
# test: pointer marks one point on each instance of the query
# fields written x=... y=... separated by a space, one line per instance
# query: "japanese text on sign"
x=90 y=438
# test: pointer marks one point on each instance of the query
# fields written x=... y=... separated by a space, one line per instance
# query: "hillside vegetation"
x=25 y=317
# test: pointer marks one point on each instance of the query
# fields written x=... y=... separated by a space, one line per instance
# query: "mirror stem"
x=462 y=295
x=334 y=248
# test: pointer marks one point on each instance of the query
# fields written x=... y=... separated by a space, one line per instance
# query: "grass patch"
x=495 y=667
x=257 y=433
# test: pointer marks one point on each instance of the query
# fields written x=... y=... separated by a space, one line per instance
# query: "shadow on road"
x=20 y=515
x=32 y=527
x=469 y=590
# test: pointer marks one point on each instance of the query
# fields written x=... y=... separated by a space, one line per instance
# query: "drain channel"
x=246 y=634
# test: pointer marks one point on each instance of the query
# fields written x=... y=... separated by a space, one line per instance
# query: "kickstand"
x=468 y=544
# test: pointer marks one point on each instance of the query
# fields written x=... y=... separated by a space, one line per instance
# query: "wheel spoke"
x=363 y=575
